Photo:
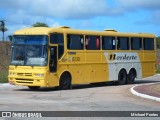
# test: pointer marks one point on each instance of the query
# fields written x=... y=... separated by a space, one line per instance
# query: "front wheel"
x=65 y=81
x=122 y=77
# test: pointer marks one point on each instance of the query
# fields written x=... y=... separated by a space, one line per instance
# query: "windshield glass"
x=31 y=55
x=29 y=50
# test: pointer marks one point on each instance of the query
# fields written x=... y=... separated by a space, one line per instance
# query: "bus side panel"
x=98 y=67
x=91 y=73
x=80 y=73
x=123 y=60
x=52 y=79
x=148 y=64
x=74 y=63
x=84 y=68
x=99 y=73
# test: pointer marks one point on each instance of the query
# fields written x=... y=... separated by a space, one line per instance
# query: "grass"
x=158 y=69
x=158 y=61
x=4 y=61
x=4 y=76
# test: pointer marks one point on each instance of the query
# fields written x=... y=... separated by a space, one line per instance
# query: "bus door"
x=53 y=59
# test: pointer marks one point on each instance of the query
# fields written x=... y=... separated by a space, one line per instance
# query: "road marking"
x=134 y=92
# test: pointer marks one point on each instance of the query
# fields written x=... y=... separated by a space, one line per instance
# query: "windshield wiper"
x=29 y=63
x=18 y=63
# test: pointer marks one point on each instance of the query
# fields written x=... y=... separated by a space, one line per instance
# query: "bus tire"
x=131 y=76
x=34 y=87
x=65 y=81
x=122 y=77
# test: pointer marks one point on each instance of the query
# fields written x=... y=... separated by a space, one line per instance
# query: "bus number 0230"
x=75 y=58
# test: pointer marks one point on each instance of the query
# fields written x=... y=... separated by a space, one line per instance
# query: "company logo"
x=117 y=57
x=6 y=114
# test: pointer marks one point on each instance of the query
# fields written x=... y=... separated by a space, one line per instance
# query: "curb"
x=144 y=95
x=5 y=85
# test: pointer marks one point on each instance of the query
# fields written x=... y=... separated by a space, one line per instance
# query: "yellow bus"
x=47 y=57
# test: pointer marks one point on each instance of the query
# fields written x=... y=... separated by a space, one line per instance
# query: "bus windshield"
x=29 y=50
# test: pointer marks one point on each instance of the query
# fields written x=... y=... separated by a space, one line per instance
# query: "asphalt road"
x=81 y=98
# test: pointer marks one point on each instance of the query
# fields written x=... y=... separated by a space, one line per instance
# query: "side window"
x=123 y=43
x=75 y=42
x=92 y=42
x=108 y=43
x=136 y=43
x=58 y=39
x=148 y=43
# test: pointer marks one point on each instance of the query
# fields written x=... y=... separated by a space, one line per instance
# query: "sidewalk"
x=149 y=91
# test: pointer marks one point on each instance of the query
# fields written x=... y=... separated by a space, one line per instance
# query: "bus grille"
x=24 y=74
x=28 y=81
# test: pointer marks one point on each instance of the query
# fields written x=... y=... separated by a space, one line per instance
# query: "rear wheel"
x=65 y=81
x=34 y=87
x=131 y=76
x=122 y=77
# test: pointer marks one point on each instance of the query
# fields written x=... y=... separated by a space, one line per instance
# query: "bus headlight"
x=39 y=75
x=12 y=73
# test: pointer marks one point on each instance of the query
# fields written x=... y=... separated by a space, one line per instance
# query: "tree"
x=39 y=24
x=10 y=38
x=3 y=28
x=158 y=42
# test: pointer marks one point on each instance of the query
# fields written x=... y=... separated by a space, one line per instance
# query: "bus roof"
x=65 y=29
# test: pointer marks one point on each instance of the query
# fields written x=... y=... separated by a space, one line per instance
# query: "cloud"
x=13 y=5
x=21 y=17
x=152 y=7
x=73 y=9
x=140 y=4
x=69 y=8
x=78 y=9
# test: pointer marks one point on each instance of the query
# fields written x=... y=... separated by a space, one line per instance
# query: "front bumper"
x=26 y=81
x=27 y=76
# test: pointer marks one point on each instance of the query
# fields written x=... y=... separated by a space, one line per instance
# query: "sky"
x=138 y=16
